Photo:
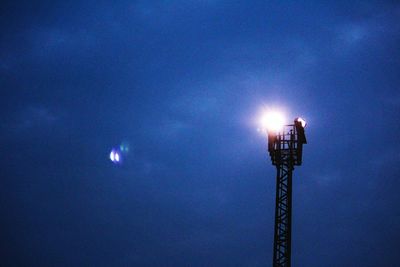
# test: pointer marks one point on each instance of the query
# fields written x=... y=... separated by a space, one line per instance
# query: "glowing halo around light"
x=272 y=121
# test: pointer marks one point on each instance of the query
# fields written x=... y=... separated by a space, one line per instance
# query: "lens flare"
x=124 y=147
x=115 y=156
x=119 y=153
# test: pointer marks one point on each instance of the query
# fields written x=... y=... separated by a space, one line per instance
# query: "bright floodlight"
x=272 y=121
x=112 y=156
x=302 y=121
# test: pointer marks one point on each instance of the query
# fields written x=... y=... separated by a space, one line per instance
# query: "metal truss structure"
x=285 y=149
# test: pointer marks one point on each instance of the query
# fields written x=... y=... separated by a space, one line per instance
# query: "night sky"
x=181 y=83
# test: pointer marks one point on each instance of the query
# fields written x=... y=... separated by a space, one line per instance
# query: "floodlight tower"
x=285 y=148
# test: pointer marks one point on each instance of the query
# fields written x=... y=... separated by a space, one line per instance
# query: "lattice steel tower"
x=285 y=149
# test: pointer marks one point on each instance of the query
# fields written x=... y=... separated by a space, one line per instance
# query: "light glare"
x=302 y=121
x=272 y=121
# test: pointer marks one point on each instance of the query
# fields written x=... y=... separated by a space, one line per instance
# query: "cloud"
x=358 y=33
x=195 y=104
x=57 y=41
x=392 y=100
x=31 y=121
x=172 y=128
x=161 y=12
x=35 y=117
x=353 y=33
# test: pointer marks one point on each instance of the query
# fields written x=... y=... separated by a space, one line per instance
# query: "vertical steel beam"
x=283 y=216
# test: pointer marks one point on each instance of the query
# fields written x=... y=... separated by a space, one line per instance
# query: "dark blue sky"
x=182 y=82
